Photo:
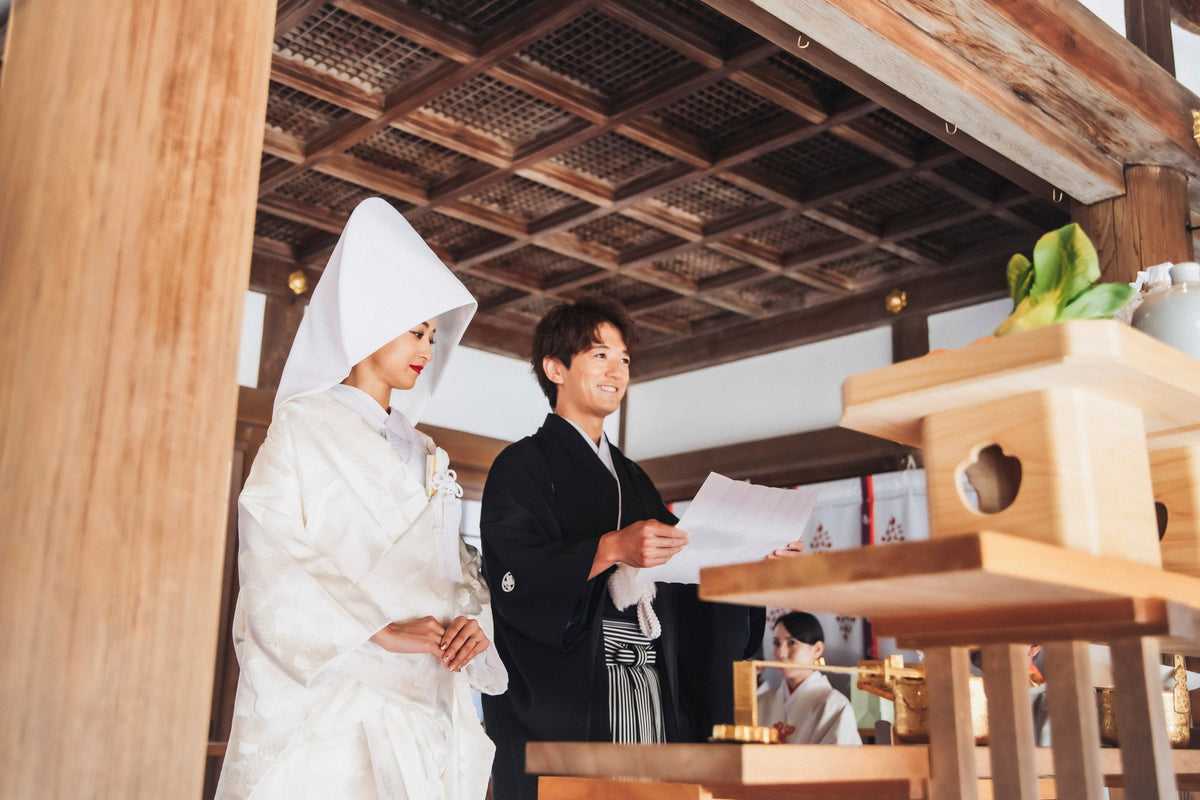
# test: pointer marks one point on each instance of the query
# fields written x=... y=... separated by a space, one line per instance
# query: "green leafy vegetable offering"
x=1058 y=285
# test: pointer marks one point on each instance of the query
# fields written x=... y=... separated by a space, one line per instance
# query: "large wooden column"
x=130 y=134
x=1145 y=226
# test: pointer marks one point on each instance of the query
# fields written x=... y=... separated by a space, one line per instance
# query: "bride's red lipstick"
x=415 y=368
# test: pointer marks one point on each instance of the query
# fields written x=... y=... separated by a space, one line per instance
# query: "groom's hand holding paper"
x=731 y=522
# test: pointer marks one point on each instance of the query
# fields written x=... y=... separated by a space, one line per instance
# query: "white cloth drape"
x=815 y=713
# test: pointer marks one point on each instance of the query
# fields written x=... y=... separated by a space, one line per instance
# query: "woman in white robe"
x=805 y=708
x=362 y=623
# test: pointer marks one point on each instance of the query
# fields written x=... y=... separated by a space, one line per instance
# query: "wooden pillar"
x=952 y=769
x=1145 y=226
x=1148 y=25
x=130 y=139
x=910 y=337
x=281 y=318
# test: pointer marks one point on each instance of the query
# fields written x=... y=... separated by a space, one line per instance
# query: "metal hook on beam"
x=803 y=42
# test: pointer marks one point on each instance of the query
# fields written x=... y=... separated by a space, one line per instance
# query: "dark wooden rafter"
x=717 y=257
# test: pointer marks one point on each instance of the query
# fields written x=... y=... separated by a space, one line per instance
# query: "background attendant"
x=362 y=623
x=561 y=510
x=805 y=708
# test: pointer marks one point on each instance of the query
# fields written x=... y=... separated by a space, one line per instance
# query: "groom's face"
x=595 y=383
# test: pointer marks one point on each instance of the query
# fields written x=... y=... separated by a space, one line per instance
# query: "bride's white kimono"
x=338 y=538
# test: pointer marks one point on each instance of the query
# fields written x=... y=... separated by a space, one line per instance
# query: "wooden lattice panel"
x=973 y=176
x=902 y=135
x=450 y=237
x=500 y=112
x=948 y=241
x=688 y=316
x=602 y=55
x=632 y=293
x=613 y=160
x=325 y=192
x=720 y=111
x=710 y=179
x=534 y=307
x=1043 y=214
x=353 y=50
x=790 y=67
x=297 y=114
x=864 y=267
x=810 y=164
x=522 y=198
x=619 y=233
x=473 y=17
x=700 y=266
x=488 y=293
x=903 y=197
x=703 y=20
x=285 y=231
x=794 y=235
x=423 y=162
x=707 y=200
x=774 y=295
x=537 y=268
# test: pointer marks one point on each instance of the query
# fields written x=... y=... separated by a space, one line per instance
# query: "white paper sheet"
x=731 y=522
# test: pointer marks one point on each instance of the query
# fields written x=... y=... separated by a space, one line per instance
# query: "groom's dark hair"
x=571 y=328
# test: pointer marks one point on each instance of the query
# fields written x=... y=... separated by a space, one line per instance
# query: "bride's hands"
x=423 y=635
x=462 y=641
x=455 y=644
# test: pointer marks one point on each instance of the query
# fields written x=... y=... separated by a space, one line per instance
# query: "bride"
x=362 y=623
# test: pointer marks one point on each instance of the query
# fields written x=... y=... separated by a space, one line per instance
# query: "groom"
x=590 y=656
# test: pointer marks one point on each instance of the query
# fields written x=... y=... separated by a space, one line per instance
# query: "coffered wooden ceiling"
x=730 y=189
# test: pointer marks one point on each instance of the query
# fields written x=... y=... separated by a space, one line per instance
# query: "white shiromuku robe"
x=338 y=538
x=816 y=713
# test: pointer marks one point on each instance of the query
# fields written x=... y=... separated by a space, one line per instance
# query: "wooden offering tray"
x=766 y=772
x=1101 y=357
x=985 y=581
x=1054 y=429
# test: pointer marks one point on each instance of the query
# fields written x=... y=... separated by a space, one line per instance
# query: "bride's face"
x=400 y=362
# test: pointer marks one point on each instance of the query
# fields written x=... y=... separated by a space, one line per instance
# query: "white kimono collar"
x=602 y=450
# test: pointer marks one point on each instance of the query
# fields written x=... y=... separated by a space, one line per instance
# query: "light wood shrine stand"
x=1065 y=550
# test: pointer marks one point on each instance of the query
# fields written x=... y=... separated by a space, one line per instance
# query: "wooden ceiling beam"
x=290 y=13
x=408 y=22
x=377 y=179
x=324 y=86
x=551 y=88
x=663 y=97
x=314 y=252
x=494 y=336
x=281 y=145
x=793 y=95
x=791 y=460
x=666 y=28
x=522 y=29
x=784 y=35
x=934 y=293
x=314 y=217
x=1043 y=82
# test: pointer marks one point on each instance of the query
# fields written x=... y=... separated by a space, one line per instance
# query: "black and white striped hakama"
x=634 y=693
